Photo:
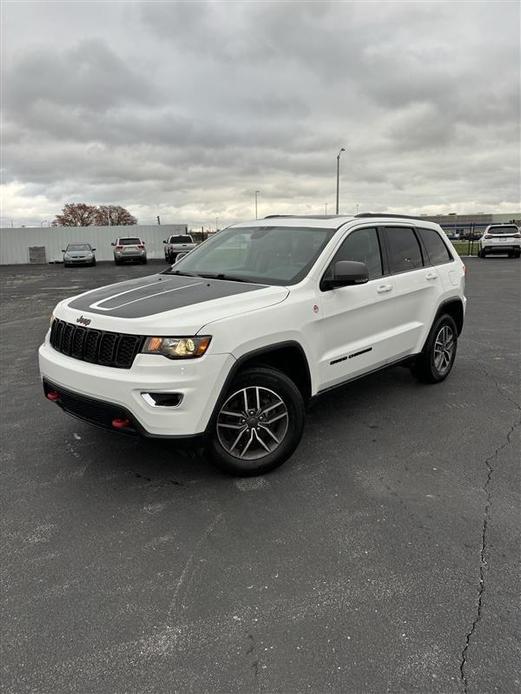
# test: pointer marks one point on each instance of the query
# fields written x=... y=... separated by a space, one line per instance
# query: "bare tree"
x=115 y=215
x=76 y=214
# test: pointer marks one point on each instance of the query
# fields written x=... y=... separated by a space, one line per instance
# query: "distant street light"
x=256 y=203
x=338 y=176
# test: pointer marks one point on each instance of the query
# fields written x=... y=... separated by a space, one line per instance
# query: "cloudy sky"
x=184 y=109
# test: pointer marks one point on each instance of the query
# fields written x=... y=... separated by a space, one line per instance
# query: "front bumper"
x=121 y=390
x=78 y=261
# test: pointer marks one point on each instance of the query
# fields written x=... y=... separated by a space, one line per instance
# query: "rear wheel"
x=260 y=423
x=481 y=253
x=437 y=358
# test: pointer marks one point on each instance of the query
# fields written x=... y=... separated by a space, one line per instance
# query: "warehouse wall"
x=16 y=242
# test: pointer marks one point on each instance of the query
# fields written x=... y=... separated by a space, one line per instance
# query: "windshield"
x=503 y=230
x=78 y=247
x=268 y=255
x=180 y=239
x=129 y=242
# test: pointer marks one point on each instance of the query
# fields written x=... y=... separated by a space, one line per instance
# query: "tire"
x=430 y=366
x=93 y=264
x=276 y=393
x=143 y=261
x=517 y=254
x=481 y=254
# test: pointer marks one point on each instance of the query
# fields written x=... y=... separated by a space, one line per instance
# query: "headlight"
x=177 y=347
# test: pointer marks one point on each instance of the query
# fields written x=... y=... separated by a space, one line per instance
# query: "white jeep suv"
x=236 y=338
x=500 y=239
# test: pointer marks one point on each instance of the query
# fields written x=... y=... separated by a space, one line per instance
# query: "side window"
x=436 y=249
x=362 y=245
x=404 y=249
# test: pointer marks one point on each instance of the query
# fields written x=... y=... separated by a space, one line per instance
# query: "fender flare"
x=239 y=363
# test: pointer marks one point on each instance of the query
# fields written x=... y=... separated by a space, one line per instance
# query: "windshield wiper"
x=178 y=272
x=222 y=276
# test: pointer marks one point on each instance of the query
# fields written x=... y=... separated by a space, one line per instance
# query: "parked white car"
x=234 y=340
x=499 y=239
x=129 y=248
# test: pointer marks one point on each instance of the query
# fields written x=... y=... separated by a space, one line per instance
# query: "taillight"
x=516 y=236
x=140 y=245
x=119 y=248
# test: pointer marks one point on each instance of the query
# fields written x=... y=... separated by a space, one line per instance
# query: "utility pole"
x=256 y=201
x=158 y=219
x=338 y=176
x=325 y=208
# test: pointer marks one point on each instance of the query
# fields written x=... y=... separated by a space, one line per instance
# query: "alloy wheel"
x=252 y=423
x=444 y=346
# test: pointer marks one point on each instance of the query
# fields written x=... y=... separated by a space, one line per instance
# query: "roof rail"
x=387 y=214
x=306 y=216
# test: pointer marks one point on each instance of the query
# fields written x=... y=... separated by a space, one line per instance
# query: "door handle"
x=382 y=288
x=431 y=275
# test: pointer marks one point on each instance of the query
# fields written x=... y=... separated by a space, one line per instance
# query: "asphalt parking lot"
x=383 y=557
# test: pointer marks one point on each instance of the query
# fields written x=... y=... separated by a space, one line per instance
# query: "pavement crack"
x=483 y=564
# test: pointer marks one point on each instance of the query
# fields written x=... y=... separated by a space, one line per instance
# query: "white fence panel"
x=16 y=242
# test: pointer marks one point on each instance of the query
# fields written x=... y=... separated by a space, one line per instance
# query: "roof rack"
x=387 y=214
x=306 y=216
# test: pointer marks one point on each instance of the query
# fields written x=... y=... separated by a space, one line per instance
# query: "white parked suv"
x=236 y=338
x=129 y=248
x=500 y=239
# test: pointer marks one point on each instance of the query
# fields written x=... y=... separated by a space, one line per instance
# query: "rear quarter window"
x=437 y=251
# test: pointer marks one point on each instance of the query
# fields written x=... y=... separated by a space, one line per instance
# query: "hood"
x=167 y=304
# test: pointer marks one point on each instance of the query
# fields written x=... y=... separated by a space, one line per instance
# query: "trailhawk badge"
x=83 y=321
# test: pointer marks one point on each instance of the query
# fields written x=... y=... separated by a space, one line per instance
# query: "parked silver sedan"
x=78 y=254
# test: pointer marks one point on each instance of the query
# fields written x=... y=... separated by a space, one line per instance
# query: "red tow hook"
x=120 y=423
x=53 y=395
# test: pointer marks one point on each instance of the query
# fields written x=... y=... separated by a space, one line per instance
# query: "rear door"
x=417 y=287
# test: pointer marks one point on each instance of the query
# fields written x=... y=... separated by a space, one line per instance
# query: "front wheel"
x=437 y=357
x=259 y=424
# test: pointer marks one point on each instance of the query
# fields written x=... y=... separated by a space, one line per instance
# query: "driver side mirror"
x=345 y=273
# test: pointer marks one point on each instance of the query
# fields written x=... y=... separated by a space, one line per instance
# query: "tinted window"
x=129 y=242
x=437 y=251
x=180 y=239
x=404 y=249
x=362 y=245
x=503 y=230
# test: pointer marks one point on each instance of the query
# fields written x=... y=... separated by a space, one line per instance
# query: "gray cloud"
x=190 y=107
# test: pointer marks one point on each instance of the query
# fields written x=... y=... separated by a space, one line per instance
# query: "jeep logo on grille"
x=83 y=321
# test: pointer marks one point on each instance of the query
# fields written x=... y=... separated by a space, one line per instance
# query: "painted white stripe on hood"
x=98 y=306
x=127 y=291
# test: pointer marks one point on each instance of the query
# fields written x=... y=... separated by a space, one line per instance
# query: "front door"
x=358 y=324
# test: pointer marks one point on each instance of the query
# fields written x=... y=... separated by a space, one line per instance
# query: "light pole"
x=338 y=176
x=256 y=202
x=325 y=208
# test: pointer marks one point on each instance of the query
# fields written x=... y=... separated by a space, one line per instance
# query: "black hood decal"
x=156 y=294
